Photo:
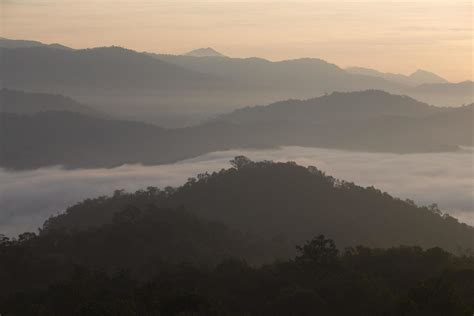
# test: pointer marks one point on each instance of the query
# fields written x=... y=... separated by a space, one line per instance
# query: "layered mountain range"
x=178 y=90
x=370 y=120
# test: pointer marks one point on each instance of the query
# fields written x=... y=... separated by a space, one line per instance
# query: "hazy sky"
x=396 y=36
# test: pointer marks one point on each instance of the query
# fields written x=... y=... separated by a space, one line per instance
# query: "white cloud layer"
x=27 y=198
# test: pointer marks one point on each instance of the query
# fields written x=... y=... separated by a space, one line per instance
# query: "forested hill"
x=137 y=254
x=289 y=203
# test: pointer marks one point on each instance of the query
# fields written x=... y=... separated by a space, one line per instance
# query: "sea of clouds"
x=27 y=198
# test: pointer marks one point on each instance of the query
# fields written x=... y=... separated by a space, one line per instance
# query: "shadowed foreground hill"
x=361 y=281
x=131 y=255
x=289 y=203
x=141 y=240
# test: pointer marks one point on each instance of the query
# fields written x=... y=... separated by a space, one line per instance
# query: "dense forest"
x=243 y=241
x=320 y=280
x=288 y=204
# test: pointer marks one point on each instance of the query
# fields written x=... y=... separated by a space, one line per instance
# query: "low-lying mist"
x=27 y=198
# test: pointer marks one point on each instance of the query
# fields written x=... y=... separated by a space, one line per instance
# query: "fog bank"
x=27 y=198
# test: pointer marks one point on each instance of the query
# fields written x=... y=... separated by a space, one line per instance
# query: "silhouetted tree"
x=319 y=250
x=240 y=162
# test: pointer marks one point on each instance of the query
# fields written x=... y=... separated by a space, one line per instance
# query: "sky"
x=28 y=198
x=389 y=35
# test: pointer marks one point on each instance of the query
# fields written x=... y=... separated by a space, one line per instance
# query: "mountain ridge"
x=418 y=77
x=97 y=68
x=204 y=52
x=10 y=43
x=21 y=102
x=403 y=125
x=299 y=200
x=177 y=91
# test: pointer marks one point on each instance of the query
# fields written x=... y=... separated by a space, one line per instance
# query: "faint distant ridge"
x=28 y=103
x=417 y=78
x=100 y=69
x=423 y=76
x=11 y=43
x=448 y=93
x=204 y=52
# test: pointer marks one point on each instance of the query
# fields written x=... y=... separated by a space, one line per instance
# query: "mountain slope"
x=98 y=69
x=298 y=77
x=364 y=121
x=19 y=102
x=425 y=77
x=129 y=254
x=143 y=241
x=417 y=78
x=73 y=139
x=292 y=203
x=152 y=261
x=176 y=91
x=454 y=94
x=10 y=43
x=204 y=52
x=341 y=106
x=309 y=77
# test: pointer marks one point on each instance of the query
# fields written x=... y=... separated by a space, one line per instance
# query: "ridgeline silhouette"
x=372 y=121
x=165 y=89
x=290 y=203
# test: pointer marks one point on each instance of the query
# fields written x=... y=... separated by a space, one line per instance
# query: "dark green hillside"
x=289 y=203
x=404 y=281
x=137 y=254
x=140 y=240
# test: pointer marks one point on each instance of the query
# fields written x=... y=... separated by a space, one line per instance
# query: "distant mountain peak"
x=427 y=77
x=422 y=72
x=205 y=52
x=417 y=78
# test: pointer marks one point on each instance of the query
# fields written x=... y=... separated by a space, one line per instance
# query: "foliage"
x=287 y=203
x=233 y=252
x=359 y=281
